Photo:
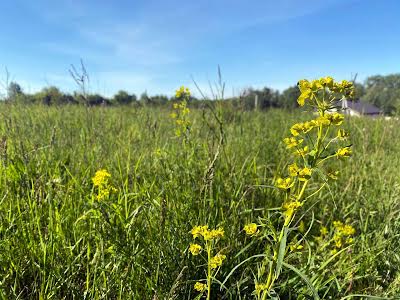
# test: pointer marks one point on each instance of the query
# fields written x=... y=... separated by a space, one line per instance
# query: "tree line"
x=382 y=91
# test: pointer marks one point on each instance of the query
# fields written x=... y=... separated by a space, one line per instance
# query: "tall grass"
x=57 y=243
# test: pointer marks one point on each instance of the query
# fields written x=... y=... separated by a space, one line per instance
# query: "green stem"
x=208 y=270
x=303 y=189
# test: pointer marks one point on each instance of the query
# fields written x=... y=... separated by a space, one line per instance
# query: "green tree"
x=96 y=99
x=384 y=92
x=52 y=96
x=14 y=91
x=288 y=98
x=122 y=97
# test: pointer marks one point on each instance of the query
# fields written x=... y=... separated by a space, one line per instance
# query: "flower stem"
x=208 y=271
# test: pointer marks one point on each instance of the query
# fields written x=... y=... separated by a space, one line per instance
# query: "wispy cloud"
x=153 y=44
x=132 y=44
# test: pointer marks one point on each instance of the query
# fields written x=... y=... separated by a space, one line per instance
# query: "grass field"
x=59 y=242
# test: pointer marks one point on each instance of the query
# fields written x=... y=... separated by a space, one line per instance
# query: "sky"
x=157 y=46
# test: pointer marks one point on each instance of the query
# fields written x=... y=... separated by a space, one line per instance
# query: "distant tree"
x=52 y=96
x=96 y=99
x=123 y=97
x=159 y=100
x=384 y=92
x=14 y=91
x=144 y=96
x=266 y=98
x=288 y=98
x=359 y=90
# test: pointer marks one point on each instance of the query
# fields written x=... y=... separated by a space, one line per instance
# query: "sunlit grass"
x=58 y=241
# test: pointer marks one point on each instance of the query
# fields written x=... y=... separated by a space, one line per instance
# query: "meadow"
x=60 y=240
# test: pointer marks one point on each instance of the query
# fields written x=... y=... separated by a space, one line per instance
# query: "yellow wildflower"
x=101 y=177
x=103 y=193
x=305 y=127
x=316 y=85
x=302 y=151
x=343 y=233
x=198 y=231
x=200 y=287
x=335 y=118
x=348 y=230
x=327 y=82
x=290 y=208
x=284 y=183
x=250 y=229
x=322 y=120
x=195 y=249
x=293 y=170
x=217 y=260
x=185 y=111
x=304 y=85
x=338 y=241
x=182 y=92
x=304 y=174
x=306 y=95
x=292 y=205
x=343 y=152
x=296 y=129
x=292 y=142
x=217 y=233
x=342 y=134
x=203 y=231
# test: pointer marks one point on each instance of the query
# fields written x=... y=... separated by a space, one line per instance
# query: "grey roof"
x=363 y=107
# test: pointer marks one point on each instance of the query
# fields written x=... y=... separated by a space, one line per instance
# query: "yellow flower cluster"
x=309 y=89
x=101 y=182
x=301 y=151
x=343 y=234
x=251 y=229
x=200 y=287
x=325 y=120
x=343 y=152
x=180 y=115
x=284 y=183
x=195 y=249
x=342 y=134
x=217 y=261
x=290 y=208
x=292 y=142
x=182 y=92
x=302 y=174
x=203 y=231
x=101 y=177
x=344 y=229
x=210 y=238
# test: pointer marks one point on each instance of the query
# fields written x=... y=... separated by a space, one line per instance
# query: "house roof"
x=363 y=107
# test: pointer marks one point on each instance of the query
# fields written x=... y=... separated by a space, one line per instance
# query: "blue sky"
x=159 y=45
